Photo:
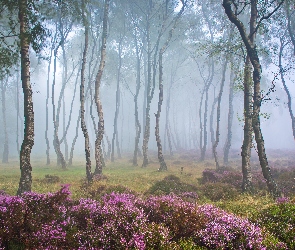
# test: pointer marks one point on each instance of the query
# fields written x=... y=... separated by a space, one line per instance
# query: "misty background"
x=185 y=65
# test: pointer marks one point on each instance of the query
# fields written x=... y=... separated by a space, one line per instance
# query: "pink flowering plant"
x=120 y=221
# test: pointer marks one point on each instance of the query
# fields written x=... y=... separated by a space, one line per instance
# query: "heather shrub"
x=219 y=191
x=286 y=182
x=233 y=178
x=227 y=231
x=210 y=175
x=120 y=221
x=113 y=222
x=34 y=220
x=178 y=215
x=279 y=219
x=170 y=184
x=12 y=216
x=97 y=191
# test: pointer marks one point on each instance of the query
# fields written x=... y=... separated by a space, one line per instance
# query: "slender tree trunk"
x=56 y=142
x=253 y=55
x=6 y=147
x=172 y=137
x=46 y=108
x=248 y=130
x=56 y=111
x=167 y=126
x=115 y=132
x=150 y=89
x=205 y=134
x=109 y=146
x=120 y=145
x=100 y=128
x=204 y=137
x=74 y=141
x=212 y=134
x=184 y=131
x=286 y=89
x=17 y=114
x=163 y=165
x=137 y=123
x=291 y=23
x=200 y=122
x=229 y=119
x=177 y=143
x=162 y=162
x=64 y=128
x=89 y=175
x=218 y=114
x=208 y=82
x=148 y=98
x=25 y=182
x=60 y=156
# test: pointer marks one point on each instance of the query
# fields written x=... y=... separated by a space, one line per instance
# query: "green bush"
x=219 y=191
x=170 y=184
x=279 y=220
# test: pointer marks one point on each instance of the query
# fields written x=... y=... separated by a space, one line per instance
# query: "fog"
x=186 y=68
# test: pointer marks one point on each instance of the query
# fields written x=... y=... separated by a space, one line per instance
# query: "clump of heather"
x=233 y=178
x=34 y=218
x=119 y=221
x=178 y=215
x=227 y=231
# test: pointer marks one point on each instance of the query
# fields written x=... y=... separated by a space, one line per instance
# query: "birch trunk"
x=100 y=127
x=25 y=182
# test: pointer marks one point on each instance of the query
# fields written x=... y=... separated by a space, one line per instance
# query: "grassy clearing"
x=183 y=178
x=122 y=173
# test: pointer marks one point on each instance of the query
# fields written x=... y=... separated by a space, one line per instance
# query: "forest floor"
x=194 y=182
x=121 y=174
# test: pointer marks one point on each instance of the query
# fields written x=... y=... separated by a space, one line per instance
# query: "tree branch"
x=265 y=18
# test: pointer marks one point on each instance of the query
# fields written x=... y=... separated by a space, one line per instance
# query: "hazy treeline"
x=158 y=75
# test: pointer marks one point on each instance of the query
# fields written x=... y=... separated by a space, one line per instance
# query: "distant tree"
x=228 y=141
x=82 y=94
x=139 y=52
x=115 y=138
x=3 y=88
x=163 y=165
x=227 y=36
x=100 y=128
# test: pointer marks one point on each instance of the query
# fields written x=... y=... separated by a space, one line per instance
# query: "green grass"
x=122 y=173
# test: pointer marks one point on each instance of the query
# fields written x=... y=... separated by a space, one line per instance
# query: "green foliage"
x=186 y=244
x=246 y=205
x=279 y=220
x=219 y=191
x=171 y=184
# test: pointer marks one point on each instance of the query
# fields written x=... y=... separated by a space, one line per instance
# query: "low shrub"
x=98 y=191
x=219 y=191
x=51 y=179
x=170 y=184
x=233 y=178
x=227 y=231
x=120 y=221
x=279 y=220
